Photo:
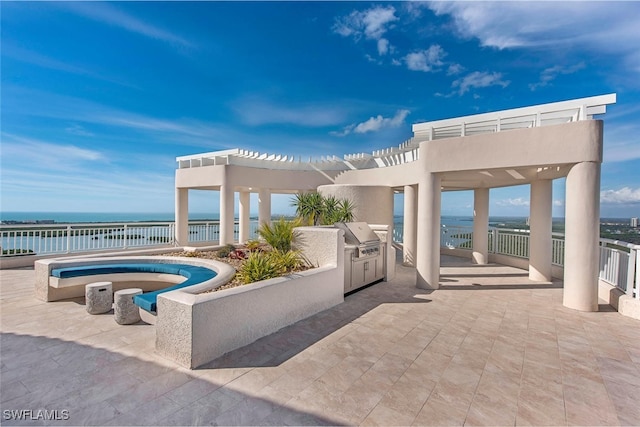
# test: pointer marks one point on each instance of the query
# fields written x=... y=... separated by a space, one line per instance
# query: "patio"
x=490 y=347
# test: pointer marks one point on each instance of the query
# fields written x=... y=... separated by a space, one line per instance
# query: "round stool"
x=98 y=297
x=125 y=311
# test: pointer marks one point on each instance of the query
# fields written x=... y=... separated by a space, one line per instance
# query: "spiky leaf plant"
x=280 y=234
x=258 y=267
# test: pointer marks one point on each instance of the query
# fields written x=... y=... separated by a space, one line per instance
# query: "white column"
x=428 y=236
x=264 y=206
x=226 y=214
x=182 y=216
x=409 y=225
x=540 y=221
x=582 y=233
x=244 y=205
x=480 y=253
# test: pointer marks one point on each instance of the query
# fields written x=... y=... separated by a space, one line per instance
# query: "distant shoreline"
x=58 y=218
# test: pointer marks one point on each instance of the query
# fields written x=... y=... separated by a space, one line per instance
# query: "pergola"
x=531 y=145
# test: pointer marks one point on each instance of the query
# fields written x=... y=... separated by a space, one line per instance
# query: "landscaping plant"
x=315 y=209
x=280 y=234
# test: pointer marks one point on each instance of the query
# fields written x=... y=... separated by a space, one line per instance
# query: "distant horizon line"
x=2 y=213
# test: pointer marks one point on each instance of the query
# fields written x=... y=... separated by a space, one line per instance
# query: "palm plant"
x=342 y=211
x=314 y=209
x=309 y=207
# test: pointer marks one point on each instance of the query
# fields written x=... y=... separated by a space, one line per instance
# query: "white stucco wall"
x=372 y=204
x=193 y=329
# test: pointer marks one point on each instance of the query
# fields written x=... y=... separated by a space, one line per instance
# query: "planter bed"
x=194 y=328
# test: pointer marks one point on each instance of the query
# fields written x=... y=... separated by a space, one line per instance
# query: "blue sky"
x=98 y=99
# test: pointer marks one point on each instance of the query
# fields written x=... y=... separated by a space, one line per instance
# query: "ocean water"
x=89 y=217
x=92 y=217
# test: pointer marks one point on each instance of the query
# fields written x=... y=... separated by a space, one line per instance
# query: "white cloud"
x=372 y=23
x=383 y=47
x=454 y=69
x=78 y=130
x=35 y=58
x=374 y=124
x=588 y=26
x=551 y=73
x=106 y=13
x=558 y=203
x=479 y=79
x=257 y=112
x=519 y=201
x=16 y=148
x=625 y=195
x=425 y=60
x=621 y=141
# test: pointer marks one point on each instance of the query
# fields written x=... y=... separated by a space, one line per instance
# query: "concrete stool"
x=125 y=311
x=98 y=297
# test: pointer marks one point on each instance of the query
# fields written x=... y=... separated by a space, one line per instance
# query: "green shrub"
x=259 y=266
x=286 y=261
x=225 y=251
x=280 y=234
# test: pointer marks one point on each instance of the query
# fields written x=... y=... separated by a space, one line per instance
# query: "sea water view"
x=56 y=232
x=66 y=232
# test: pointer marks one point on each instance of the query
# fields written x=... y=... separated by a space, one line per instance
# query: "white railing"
x=456 y=237
x=509 y=242
x=72 y=238
x=619 y=261
x=614 y=264
x=517 y=118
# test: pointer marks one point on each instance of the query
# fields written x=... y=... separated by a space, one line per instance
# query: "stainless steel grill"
x=364 y=255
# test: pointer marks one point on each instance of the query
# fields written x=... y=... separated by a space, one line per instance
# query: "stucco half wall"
x=193 y=329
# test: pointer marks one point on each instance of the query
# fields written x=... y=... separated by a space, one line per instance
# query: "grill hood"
x=357 y=233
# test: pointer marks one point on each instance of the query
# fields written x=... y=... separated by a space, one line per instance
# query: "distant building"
x=634 y=222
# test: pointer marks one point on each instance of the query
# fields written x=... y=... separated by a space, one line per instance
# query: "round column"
x=264 y=206
x=226 y=214
x=182 y=216
x=480 y=253
x=540 y=222
x=582 y=233
x=244 y=205
x=428 y=239
x=409 y=225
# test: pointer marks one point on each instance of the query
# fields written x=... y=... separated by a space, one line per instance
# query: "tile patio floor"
x=488 y=348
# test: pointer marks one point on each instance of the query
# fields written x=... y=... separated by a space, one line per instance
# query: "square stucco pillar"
x=226 y=214
x=540 y=221
x=182 y=216
x=264 y=206
x=582 y=233
x=244 y=205
x=480 y=253
x=409 y=232
x=428 y=236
